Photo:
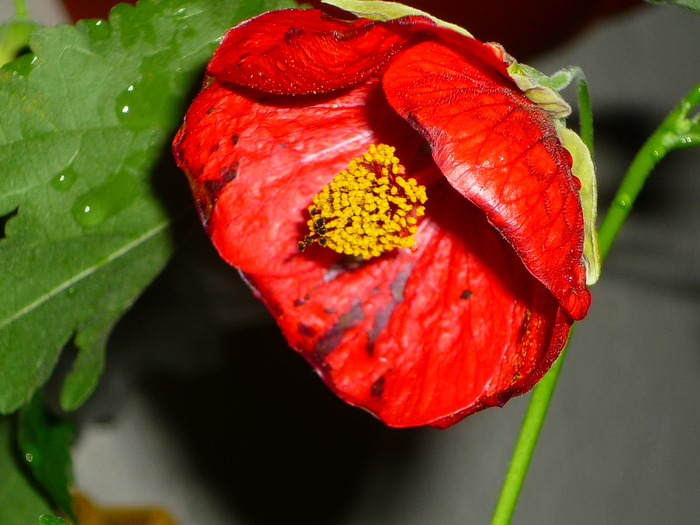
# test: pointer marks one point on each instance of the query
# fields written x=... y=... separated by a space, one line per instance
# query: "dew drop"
x=101 y=203
x=624 y=201
x=147 y=102
x=99 y=30
x=64 y=180
x=22 y=66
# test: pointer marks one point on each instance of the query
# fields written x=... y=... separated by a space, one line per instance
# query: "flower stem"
x=527 y=440
x=675 y=132
x=15 y=34
x=21 y=12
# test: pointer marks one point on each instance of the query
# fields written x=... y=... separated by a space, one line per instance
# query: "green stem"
x=21 y=11
x=527 y=440
x=15 y=35
x=586 y=114
x=676 y=131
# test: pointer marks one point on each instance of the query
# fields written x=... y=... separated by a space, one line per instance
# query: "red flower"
x=479 y=304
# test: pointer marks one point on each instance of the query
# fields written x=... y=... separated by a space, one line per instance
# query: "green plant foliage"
x=692 y=5
x=13 y=37
x=20 y=501
x=45 y=441
x=89 y=199
x=47 y=519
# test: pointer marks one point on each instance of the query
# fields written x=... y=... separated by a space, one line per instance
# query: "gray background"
x=203 y=410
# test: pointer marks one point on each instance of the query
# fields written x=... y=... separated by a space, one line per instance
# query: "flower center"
x=367 y=209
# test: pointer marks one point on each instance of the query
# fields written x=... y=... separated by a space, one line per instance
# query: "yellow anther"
x=367 y=209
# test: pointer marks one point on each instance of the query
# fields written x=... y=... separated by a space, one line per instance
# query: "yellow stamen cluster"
x=368 y=209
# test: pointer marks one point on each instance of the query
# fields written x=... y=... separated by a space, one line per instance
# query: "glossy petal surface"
x=500 y=151
x=478 y=311
x=311 y=53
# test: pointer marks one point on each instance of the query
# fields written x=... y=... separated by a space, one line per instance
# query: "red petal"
x=426 y=336
x=255 y=161
x=295 y=51
x=501 y=151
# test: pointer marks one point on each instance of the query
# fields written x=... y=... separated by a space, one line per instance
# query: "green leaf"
x=45 y=441
x=88 y=190
x=13 y=37
x=692 y=5
x=21 y=501
x=47 y=519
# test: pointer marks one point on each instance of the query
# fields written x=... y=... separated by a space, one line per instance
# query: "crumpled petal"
x=426 y=336
x=255 y=161
x=501 y=151
x=308 y=52
x=480 y=308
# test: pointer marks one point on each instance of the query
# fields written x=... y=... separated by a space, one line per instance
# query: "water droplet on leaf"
x=149 y=102
x=99 y=30
x=64 y=180
x=22 y=66
x=101 y=203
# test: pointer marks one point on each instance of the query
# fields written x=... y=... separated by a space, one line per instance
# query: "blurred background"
x=205 y=411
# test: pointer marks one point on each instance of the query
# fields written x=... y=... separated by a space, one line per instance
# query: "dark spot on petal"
x=347 y=263
x=466 y=294
x=305 y=330
x=398 y=285
x=214 y=149
x=291 y=33
x=213 y=188
x=332 y=272
x=329 y=310
x=301 y=301
x=204 y=210
x=211 y=110
x=370 y=348
x=235 y=138
x=283 y=145
x=381 y=319
x=377 y=387
x=207 y=192
x=229 y=173
x=331 y=339
x=3 y=222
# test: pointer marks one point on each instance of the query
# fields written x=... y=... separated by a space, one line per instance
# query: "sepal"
x=385 y=11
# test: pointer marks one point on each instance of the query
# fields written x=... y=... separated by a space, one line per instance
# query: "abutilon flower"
x=403 y=208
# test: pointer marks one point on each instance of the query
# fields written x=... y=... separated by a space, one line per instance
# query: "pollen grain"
x=367 y=209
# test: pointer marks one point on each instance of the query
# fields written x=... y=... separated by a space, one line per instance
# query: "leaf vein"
x=85 y=273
